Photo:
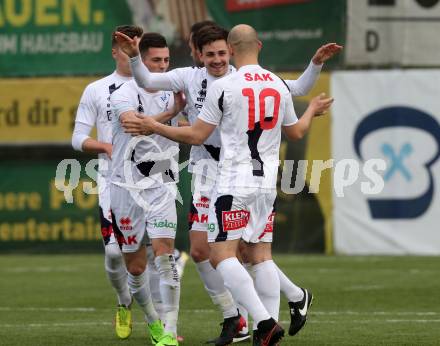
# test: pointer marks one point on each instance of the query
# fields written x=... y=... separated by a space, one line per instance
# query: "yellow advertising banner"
x=319 y=148
x=39 y=110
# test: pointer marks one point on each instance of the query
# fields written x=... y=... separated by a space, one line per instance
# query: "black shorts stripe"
x=223 y=203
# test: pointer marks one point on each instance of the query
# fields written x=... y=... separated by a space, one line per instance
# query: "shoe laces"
x=122 y=315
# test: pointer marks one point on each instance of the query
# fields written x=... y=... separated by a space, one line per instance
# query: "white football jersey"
x=151 y=156
x=195 y=82
x=94 y=109
x=249 y=107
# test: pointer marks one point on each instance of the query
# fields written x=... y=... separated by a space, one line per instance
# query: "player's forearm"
x=303 y=124
x=306 y=81
x=164 y=116
x=300 y=128
x=178 y=134
x=146 y=79
x=91 y=145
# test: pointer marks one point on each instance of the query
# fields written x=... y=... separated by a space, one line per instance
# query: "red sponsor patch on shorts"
x=269 y=225
x=202 y=218
x=235 y=219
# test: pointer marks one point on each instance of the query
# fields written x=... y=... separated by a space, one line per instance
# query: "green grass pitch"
x=66 y=300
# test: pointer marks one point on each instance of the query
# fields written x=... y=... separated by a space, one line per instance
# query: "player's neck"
x=123 y=73
x=245 y=60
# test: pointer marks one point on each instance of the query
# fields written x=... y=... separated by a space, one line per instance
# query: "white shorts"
x=156 y=214
x=201 y=198
x=249 y=216
x=105 y=217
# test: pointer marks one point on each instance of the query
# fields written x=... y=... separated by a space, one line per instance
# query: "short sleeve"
x=121 y=102
x=212 y=110
x=179 y=77
x=290 y=117
x=87 y=112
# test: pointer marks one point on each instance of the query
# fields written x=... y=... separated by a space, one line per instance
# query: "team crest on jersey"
x=165 y=99
x=235 y=219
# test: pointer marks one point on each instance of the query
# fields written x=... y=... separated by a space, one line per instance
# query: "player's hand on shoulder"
x=129 y=46
x=325 y=52
x=320 y=104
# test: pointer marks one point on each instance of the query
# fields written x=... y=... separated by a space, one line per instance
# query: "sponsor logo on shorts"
x=129 y=241
x=194 y=217
x=125 y=224
x=235 y=219
x=203 y=202
x=106 y=231
x=269 y=224
x=211 y=227
x=165 y=224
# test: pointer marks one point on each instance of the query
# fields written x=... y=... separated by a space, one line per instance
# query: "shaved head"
x=244 y=39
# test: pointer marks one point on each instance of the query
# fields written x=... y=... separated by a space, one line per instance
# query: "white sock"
x=240 y=284
x=154 y=281
x=169 y=290
x=267 y=285
x=216 y=289
x=140 y=291
x=292 y=292
x=117 y=273
x=241 y=308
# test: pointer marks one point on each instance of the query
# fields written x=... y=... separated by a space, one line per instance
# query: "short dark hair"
x=196 y=27
x=210 y=34
x=151 y=40
x=129 y=30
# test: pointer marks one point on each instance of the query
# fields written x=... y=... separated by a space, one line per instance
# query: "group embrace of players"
x=235 y=116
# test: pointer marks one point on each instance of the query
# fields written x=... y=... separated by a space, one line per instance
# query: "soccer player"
x=250 y=108
x=94 y=110
x=144 y=175
x=211 y=42
x=192 y=41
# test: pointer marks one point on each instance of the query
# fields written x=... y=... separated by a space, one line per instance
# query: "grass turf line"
x=66 y=300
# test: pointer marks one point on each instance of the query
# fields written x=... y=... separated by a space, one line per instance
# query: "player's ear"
x=231 y=50
x=199 y=54
x=260 y=45
x=114 y=52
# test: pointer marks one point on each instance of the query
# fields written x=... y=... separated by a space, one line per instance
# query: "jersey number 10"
x=270 y=122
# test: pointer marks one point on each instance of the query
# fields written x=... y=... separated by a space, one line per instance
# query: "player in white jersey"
x=94 y=110
x=195 y=83
x=144 y=176
x=250 y=108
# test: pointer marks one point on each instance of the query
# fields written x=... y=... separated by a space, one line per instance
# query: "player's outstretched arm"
x=318 y=106
x=144 y=78
x=194 y=135
x=305 y=83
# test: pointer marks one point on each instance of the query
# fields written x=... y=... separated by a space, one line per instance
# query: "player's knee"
x=199 y=254
x=135 y=269
x=166 y=266
x=113 y=256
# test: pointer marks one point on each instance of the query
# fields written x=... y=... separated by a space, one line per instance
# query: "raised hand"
x=129 y=46
x=320 y=104
x=325 y=52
